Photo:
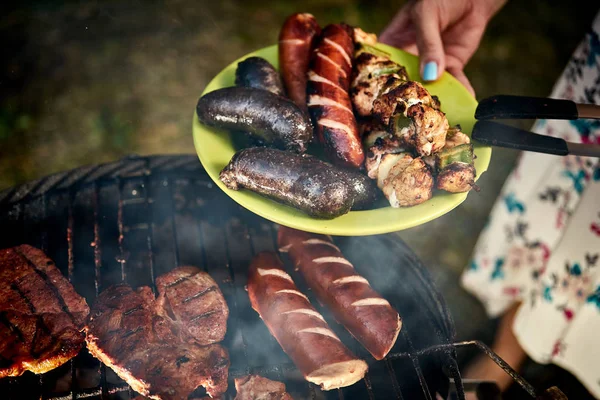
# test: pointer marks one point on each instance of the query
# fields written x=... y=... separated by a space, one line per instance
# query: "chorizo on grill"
x=300 y=330
x=354 y=303
x=296 y=40
x=329 y=103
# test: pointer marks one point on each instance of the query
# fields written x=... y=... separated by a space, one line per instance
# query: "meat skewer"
x=328 y=99
x=354 y=303
x=295 y=44
x=300 y=330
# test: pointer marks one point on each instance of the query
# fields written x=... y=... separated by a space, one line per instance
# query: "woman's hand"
x=444 y=33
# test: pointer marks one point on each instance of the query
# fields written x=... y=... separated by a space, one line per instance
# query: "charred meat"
x=456 y=170
x=404 y=180
x=131 y=333
x=255 y=387
x=426 y=130
x=372 y=75
x=195 y=303
x=41 y=315
x=276 y=120
x=319 y=189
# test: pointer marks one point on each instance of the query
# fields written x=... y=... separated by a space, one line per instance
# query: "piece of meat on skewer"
x=404 y=180
x=256 y=387
x=372 y=75
x=423 y=129
x=41 y=315
x=456 y=169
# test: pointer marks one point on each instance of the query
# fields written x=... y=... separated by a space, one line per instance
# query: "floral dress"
x=541 y=246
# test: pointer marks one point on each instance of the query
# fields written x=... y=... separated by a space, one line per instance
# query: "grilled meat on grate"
x=193 y=299
x=130 y=332
x=255 y=387
x=41 y=315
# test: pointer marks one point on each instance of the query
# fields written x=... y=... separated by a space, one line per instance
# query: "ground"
x=89 y=82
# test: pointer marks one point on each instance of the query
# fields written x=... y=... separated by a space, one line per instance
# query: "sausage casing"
x=296 y=40
x=258 y=73
x=300 y=330
x=275 y=119
x=328 y=99
x=354 y=303
x=319 y=189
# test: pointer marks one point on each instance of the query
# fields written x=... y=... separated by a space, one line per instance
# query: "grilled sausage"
x=258 y=73
x=319 y=189
x=328 y=99
x=300 y=330
x=275 y=119
x=337 y=285
x=296 y=40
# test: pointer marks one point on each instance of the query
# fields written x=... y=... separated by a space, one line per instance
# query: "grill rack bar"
x=104 y=390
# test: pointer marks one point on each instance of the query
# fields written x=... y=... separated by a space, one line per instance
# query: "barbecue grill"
x=137 y=218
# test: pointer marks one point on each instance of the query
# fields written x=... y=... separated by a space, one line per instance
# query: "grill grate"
x=134 y=220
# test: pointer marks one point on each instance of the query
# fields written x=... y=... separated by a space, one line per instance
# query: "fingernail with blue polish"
x=430 y=71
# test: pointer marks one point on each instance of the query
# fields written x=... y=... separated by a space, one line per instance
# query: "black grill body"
x=140 y=217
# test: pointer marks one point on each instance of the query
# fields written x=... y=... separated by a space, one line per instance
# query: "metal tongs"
x=520 y=107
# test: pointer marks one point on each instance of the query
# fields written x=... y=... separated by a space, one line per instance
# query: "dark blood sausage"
x=328 y=99
x=275 y=119
x=300 y=330
x=302 y=181
x=296 y=40
x=337 y=285
x=258 y=73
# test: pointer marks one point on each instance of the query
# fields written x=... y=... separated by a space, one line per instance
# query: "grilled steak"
x=41 y=315
x=255 y=387
x=130 y=332
x=193 y=299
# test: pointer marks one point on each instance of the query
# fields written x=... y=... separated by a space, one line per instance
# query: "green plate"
x=215 y=149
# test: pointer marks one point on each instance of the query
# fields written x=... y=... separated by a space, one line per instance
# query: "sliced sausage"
x=328 y=99
x=300 y=330
x=296 y=40
x=354 y=303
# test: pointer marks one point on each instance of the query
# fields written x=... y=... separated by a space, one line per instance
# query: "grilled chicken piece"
x=404 y=180
x=424 y=131
x=255 y=387
x=457 y=178
x=372 y=74
x=41 y=315
x=361 y=36
x=456 y=169
x=399 y=96
x=385 y=145
x=455 y=137
x=130 y=333
x=195 y=303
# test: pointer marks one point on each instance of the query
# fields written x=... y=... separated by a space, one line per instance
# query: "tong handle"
x=495 y=134
x=522 y=107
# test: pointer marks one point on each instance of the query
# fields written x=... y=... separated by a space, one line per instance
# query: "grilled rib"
x=41 y=315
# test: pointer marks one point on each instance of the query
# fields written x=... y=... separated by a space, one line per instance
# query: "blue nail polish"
x=430 y=71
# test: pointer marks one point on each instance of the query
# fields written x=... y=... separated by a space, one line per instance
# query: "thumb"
x=429 y=40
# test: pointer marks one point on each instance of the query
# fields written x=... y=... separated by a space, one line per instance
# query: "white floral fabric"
x=541 y=246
